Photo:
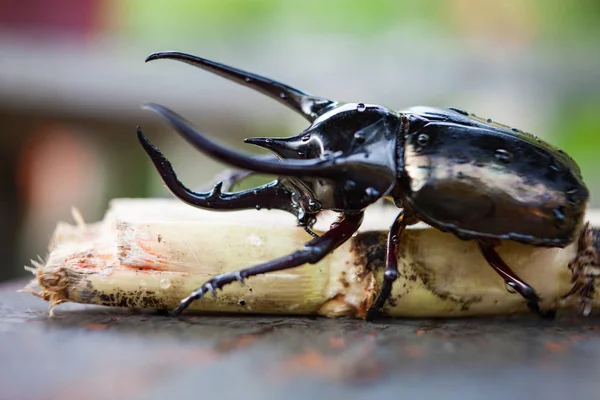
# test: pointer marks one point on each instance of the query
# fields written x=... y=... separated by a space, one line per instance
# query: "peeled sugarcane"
x=151 y=253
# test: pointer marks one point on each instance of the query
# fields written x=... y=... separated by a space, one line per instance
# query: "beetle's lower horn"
x=167 y=174
x=318 y=168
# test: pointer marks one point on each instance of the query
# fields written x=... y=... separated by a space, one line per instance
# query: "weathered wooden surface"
x=100 y=353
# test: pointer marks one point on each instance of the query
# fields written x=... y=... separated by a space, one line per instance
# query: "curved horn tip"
x=172 y=118
x=156 y=108
x=156 y=156
x=140 y=134
x=153 y=56
x=161 y=54
x=143 y=139
x=254 y=140
x=260 y=142
x=146 y=105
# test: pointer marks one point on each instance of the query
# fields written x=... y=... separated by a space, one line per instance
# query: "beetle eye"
x=360 y=136
x=423 y=139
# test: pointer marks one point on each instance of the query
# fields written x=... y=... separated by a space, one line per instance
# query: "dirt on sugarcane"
x=585 y=269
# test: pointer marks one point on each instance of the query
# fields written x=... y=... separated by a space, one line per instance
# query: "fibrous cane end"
x=52 y=284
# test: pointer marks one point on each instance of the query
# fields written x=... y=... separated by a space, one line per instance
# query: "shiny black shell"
x=453 y=170
x=476 y=179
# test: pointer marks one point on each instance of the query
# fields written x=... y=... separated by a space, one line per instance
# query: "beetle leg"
x=312 y=253
x=270 y=196
x=516 y=283
x=391 y=265
x=310 y=232
x=231 y=177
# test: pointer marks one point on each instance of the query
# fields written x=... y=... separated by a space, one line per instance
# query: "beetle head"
x=360 y=139
x=345 y=160
x=344 y=130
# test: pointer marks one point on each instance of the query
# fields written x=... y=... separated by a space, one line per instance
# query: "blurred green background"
x=72 y=77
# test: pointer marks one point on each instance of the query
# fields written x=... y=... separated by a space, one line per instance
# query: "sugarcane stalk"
x=151 y=253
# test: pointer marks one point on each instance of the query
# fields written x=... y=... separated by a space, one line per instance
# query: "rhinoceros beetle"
x=459 y=173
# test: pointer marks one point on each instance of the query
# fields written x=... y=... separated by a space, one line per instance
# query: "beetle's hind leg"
x=312 y=252
x=512 y=280
x=391 y=264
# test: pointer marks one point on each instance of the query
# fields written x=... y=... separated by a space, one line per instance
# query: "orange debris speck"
x=413 y=351
x=593 y=328
x=237 y=343
x=95 y=326
x=555 y=346
x=337 y=342
x=310 y=361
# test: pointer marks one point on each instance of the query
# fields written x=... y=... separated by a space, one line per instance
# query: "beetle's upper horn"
x=305 y=104
x=316 y=167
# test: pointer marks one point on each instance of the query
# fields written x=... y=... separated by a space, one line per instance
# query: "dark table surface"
x=86 y=352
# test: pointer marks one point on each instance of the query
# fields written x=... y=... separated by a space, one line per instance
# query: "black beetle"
x=459 y=173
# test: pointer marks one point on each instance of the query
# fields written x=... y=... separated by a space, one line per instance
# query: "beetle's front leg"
x=312 y=252
x=270 y=196
x=231 y=177
x=512 y=280
x=391 y=265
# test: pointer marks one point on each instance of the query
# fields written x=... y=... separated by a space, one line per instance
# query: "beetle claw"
x=546 y=314
x=512 y=280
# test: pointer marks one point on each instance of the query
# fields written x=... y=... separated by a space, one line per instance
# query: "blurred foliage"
x=576 y=130
x=149 y=18
x=549 y=20
x=569 y=20
x=583 y=119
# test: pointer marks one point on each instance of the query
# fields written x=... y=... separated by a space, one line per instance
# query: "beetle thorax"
x=360 y=140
